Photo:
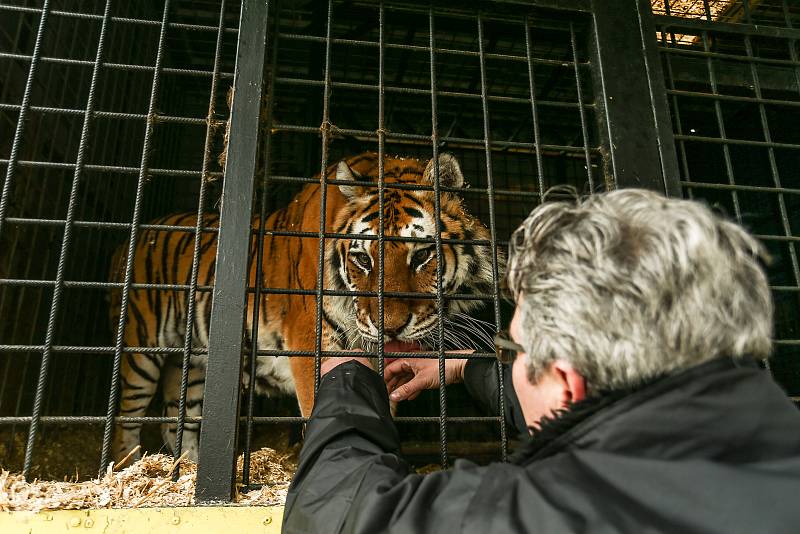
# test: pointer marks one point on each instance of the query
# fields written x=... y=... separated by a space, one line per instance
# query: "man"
x=640 y=322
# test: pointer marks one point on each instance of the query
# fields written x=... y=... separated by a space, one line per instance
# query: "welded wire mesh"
x=510 y=96
x=113 y=117
x=116 y=114
x=106 y=111
x=734 y=92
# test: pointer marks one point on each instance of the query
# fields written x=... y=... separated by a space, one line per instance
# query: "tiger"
x=287 y=322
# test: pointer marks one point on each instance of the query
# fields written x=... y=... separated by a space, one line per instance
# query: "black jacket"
x=712 y=449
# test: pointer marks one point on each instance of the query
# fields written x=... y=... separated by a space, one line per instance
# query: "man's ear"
x=572 y=383
x=345 y=173
x=450 y=174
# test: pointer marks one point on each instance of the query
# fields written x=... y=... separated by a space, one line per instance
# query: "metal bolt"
x=268 y=520
x=88 y=523
x=176 y=520
x=75 y=522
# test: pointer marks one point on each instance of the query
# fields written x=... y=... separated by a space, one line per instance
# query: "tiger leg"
x=139 y=379
x=190 y=441
x=301 y=339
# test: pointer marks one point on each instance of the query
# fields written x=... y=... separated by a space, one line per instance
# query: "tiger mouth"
x=395 y=346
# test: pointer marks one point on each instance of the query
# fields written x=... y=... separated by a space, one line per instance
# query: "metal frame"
x=635 y=116
x=624 y=88
x=217 y=466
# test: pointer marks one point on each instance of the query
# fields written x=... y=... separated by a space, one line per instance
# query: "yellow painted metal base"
x=194 y=520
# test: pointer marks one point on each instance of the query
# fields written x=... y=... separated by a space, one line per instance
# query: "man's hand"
x=406 y=378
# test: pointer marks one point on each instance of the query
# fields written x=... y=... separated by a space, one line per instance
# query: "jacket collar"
x=596 y=421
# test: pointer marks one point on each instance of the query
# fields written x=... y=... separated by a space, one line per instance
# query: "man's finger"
x=405 y=391
x=401 y=393
x=399 y=381
x=395 y=368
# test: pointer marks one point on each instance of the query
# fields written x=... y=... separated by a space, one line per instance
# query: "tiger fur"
x=287 y=322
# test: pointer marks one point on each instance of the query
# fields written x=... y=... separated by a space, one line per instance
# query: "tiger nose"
x=395 y=318
x=393 y=332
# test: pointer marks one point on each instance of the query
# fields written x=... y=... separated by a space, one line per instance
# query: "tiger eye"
x=362 y=259
x=420 y=256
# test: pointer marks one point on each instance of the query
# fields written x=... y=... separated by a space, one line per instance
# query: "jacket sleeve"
x=482 y=381
x=350 y=478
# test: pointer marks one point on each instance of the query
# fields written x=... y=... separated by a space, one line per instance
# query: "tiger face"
x=408 y=266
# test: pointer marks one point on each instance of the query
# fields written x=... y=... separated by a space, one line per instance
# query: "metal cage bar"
x=493 y=234
x=634 y=157
x=381 y=188
x=437 y=214
x=537 y=135
x=193 y=283
x=134 y=229
x=259 y=266
x=65 y=243
x=216 y=469
x=325 y=129
x=11 y=164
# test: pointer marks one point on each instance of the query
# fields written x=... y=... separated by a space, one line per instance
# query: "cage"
x=117 y=115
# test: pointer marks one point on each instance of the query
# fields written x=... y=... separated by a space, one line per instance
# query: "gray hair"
x=629 y=285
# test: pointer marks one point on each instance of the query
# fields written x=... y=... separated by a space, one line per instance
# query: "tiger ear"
x=345 y=173
x=450 y=174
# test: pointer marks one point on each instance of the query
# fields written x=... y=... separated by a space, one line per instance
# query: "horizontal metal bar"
x=199 y=351
x=787 y=238
x=392 y=294
x=273 y=233
x=202 y=351
x=111 y=114
x=108 y=225
x=427 y=50
x=744 y=142
x=403 y=419
x=82 y=284
x=80 y=349
x=427 y=92
x=123 y=20
x=268 y=290
x=457 y=140
x=116 y=66
x=93 y=419
x=367 y=237
x=732 y=98
x=415 y=187
x=730 y=57
x=110 y=168
x=672 y=24
x=571 y=6
x=730 y=187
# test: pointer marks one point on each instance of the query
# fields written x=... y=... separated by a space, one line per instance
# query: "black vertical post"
x=220 y=423
x=632 y=106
